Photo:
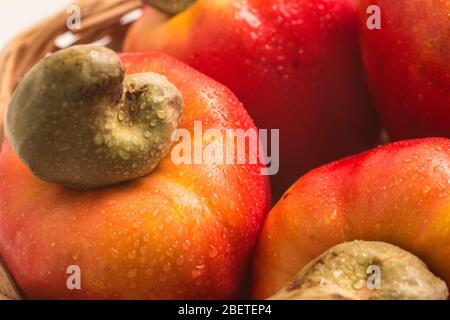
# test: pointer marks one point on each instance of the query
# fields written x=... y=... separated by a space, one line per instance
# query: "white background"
x=17 y=15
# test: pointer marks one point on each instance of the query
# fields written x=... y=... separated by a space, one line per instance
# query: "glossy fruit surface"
x=295 y=64
x=184 y=231
x=408 y=66
x=399 y=194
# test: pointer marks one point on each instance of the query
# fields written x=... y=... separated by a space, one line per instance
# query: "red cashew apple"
x=182 y=232
x=399 y=194
x=295 y=64
x=407 y=62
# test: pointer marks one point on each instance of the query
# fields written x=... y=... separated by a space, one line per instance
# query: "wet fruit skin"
x=399 y=194
x=407 y=63
x=184 y=231
x=294 y=64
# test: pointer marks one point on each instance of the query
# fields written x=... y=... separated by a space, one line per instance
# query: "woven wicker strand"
x=99 y=19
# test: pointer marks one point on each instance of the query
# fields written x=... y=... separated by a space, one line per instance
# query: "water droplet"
x=359 y=284
x=64 y=148
x=124 y=155
x=149 y=272
x=179 y=260
x=213 y=252
x=137 y=224
x=132 y=254
x=214 y=199
x=132 y=273
x=186 y=245
x=147 y=134
x=143 y=249
x=161 y=114
x=167 y=267
x=198 y=271
x=114 y=253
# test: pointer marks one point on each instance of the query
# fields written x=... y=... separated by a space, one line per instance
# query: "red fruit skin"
x=407 y=63
x=295 y=65
x=182 y=232
x=398 y=193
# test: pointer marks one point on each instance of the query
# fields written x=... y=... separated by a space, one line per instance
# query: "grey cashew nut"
x=343 y=273
x=76 y=119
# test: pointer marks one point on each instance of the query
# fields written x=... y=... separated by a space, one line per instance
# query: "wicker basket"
x=102 y=20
